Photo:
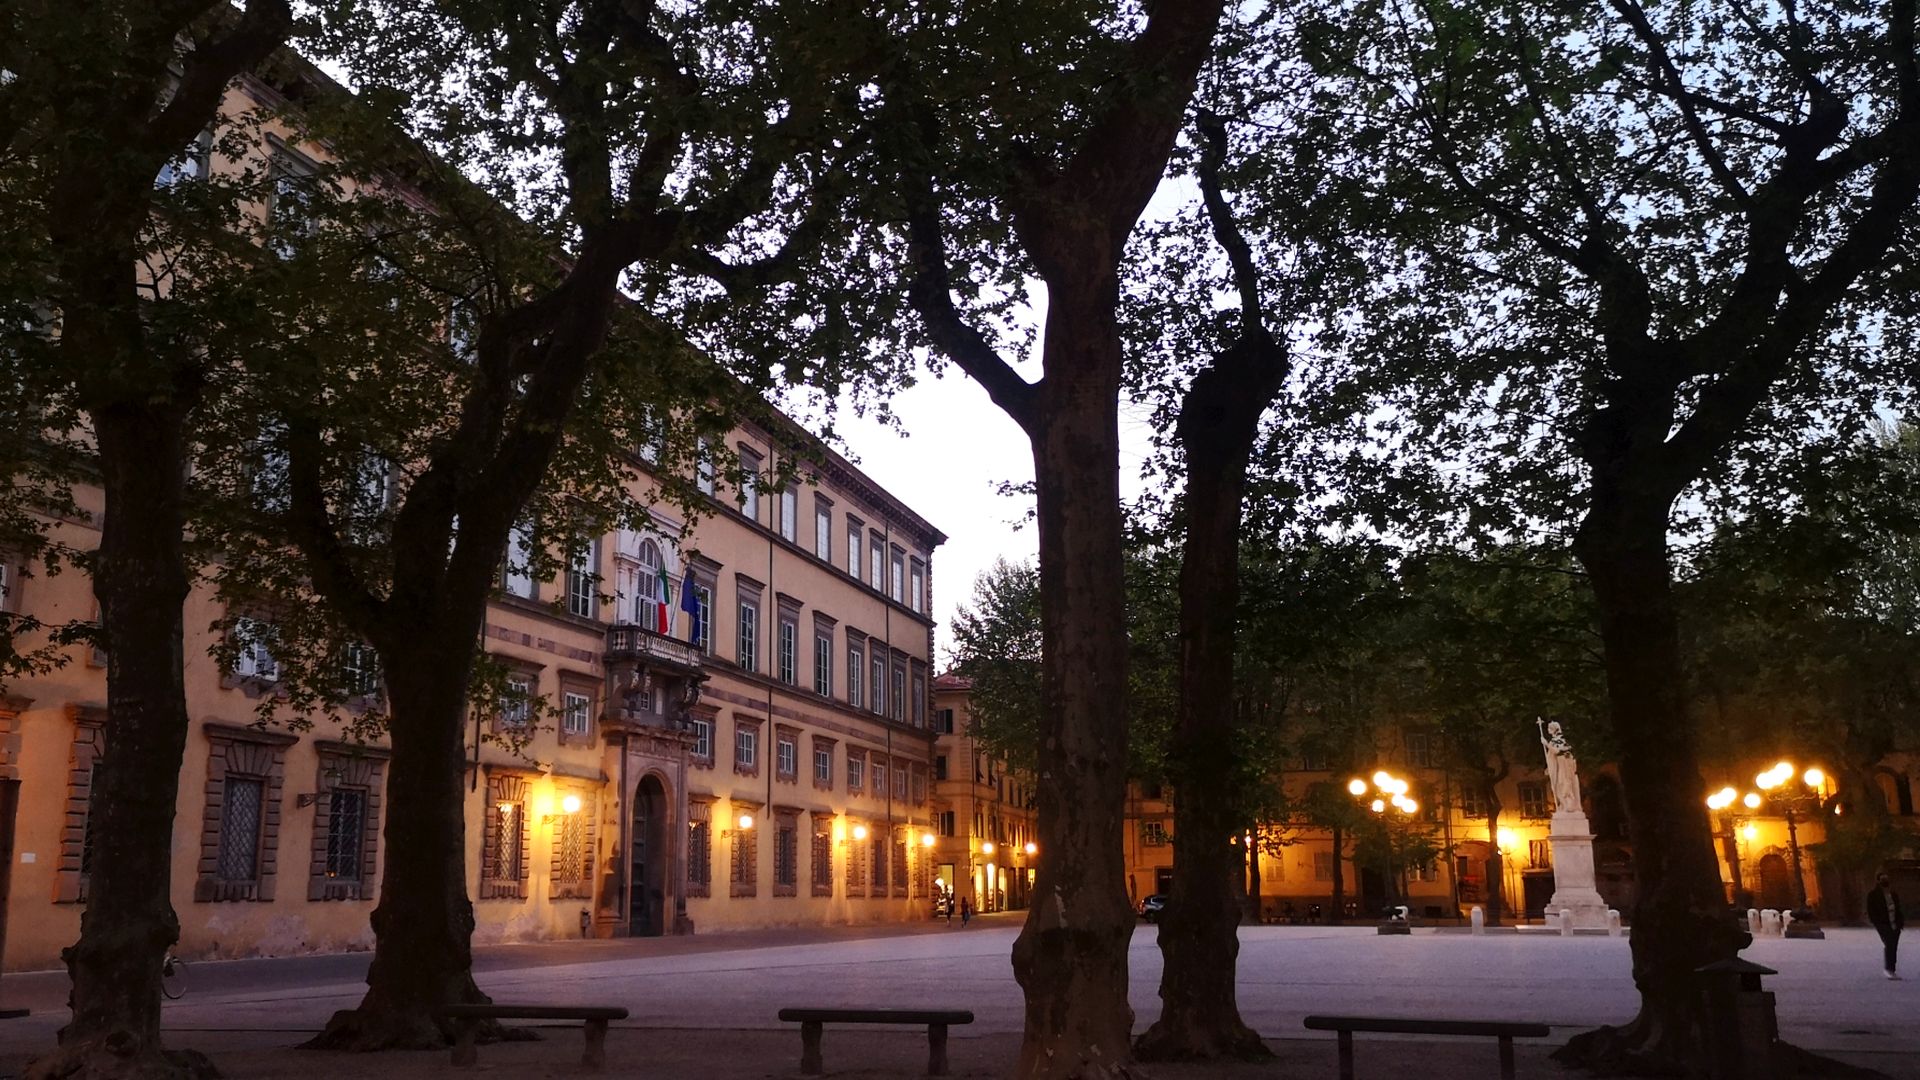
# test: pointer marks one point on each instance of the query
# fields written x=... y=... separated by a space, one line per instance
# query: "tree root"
x=113 y=1058
x=1612 y=1051
x=367 y=1031
x=1188 y=1042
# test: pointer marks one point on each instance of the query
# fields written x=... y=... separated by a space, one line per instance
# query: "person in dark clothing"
x=966 y=911
x=1883 y=911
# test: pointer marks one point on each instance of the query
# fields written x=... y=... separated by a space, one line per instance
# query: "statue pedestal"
x=1571 y=841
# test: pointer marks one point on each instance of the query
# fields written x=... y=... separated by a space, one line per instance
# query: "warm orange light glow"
x=859 y=832
x=1507 y=839
x=1379 y=806
x=1750 y=830
x=1752 y=801
x=926 y=840
x=570 y=804
x=506 y=808
x=1357 y=786
x=986 y=847
x=1382 y=778
x=1814 y=778
x=1032 y=847
x=746 y=821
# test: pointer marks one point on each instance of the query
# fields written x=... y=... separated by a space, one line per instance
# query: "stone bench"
x=1504 y=1030
x=594 y=1019
x=811 y=1022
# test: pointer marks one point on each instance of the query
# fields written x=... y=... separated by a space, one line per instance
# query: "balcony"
x=632 y=643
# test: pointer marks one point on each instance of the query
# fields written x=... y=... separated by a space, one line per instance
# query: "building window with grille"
x=822 y=861
x=789 y=647
x=877 y=848
x=1533 y=799
x=900 y=862
x=582 y=581
x=346 y=822
x=576 y=715
x=856 y=862
x=919 y=701
x=241 y=822
x=503 y=853
x=346 y=833
x=745 y=874
x=919 y=786
x=700 y=857
x=573 y=851
x=823 y=663
x=748 y=644
x=787 y=756
x=786 y=856
x=242 y=800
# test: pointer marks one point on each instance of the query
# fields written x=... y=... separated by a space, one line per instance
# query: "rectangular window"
x=1153 y=833
x=516 y=704
x=898 y=691
x=1533 y=799
x=359 y=669
x=576 y=714
x=517 y=578
x=853 y=548
x=1539 y=856
x=700 y=856
x=916 y=586
x=856 y=773
x=290 y=203
x=822 y=864
x=1312 y=760
x=703 y=739
x=746 y=747
x=745 y=875
x=876 y=560
x=789 y=513
x=822 y=529
x=1420 y=749
x=823 y=764
x=750 y=485
x=823 y=664
x=900 y=781
x=749 y=638
x=879 y=673
x=856 y=664
x=877 y=846
x=703 y=618
x=898 y=581
x=900 y=862
x=786 y=858
x=789 y=645
x=1472 y=803
x=1323 y=866
x=703 y=466
x=255 y=659
x=940 y=767
x=346 y=832
x=943 y=721
x=240 y=817
x=582 y=594
x=571 y=855
x=191 y=164
x=788 y=751
x=919 y=787
x=505 y=821
x=919 y=701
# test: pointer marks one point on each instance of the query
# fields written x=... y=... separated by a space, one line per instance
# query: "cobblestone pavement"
x=705 y=1006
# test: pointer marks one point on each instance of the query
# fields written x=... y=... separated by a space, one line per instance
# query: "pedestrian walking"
x=966 y=912
x=1883 y=911
x=949 y=903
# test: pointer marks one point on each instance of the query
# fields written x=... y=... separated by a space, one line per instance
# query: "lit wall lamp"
x=859 y=832
x=1032 y=848
x=927 y=840
x=569 y=806
x=986 y=847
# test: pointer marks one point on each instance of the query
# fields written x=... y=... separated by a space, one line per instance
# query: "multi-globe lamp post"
x=1792 y=791
x=1389 y=797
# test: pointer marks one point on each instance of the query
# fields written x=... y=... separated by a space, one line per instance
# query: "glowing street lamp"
x=1791 y=798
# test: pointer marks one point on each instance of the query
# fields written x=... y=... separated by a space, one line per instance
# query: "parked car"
x=1152 y=906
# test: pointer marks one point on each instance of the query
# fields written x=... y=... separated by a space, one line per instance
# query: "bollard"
x=1566 y=923
x=1754 y=926
x=1478 y=917
x=1769 y=922
x=1613 y=922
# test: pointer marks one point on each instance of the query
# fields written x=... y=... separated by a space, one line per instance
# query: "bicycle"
x=173 y=976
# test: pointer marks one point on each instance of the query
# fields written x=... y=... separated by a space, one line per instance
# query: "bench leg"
x=1506 y=1057
x=810 y=1048
x=464 y=1054
x=596 y=1053
x=1346 y=1055
x=936 y=1049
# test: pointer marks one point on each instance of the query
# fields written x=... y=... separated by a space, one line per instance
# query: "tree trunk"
x=423 y=926
x=1251 y=909
x=1071 y=956
x=1339 y=912
x=1200 y=929
x=140 y=579
x=1496 y=866
x=1680 y=916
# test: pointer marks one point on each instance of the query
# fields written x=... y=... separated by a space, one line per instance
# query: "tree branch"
x=311 y=527
x=263 y=28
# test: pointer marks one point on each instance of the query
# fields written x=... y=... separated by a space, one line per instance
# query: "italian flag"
x=661 y=618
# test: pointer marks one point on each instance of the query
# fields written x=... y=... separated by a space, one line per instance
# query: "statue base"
x=1574 y=895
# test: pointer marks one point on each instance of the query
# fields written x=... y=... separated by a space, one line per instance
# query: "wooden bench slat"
x=533 y=1012
x=1411 y=1026
x=877 y=1016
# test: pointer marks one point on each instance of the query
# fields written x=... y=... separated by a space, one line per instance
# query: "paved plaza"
x=705 y=1006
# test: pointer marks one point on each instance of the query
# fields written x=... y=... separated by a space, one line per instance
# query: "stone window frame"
x=856 y=669
x=856 y=777
x=823 y=642
x=743 y=857
x=748 y=593
x=743 y=722
x=694 y=756
x=786 y=829
x=820 y=870
x=88 y=747
x=826 y=743
x=351 y=766
x=856 y=870
x=699 y=857
x=504 y=787
x=517 y=668
x=917 y=783
x=786 y=735
x=588 y=817
x=572 y=682
x=877 y=774
x=254 y=685
x=249 y=753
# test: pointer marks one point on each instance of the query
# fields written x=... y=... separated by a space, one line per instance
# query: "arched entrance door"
x=1776 y=883
x=646 y=898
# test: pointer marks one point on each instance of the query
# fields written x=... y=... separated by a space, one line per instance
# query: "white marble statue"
x=1561 y=770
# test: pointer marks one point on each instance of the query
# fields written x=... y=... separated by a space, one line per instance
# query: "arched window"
x=647 y=593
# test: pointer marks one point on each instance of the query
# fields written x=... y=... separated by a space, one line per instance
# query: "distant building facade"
x=986 y=848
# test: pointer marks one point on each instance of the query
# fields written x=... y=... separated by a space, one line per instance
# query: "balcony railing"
x=630 y=641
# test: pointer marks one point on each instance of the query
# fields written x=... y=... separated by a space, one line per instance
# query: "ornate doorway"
x=646 y=898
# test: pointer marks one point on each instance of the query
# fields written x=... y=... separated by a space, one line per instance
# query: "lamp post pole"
x=1793 y=852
